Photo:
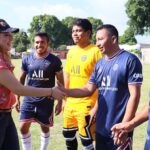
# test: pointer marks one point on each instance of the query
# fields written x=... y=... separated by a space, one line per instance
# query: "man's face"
x=40 y=44
x=6 y=41
x=79 y=36
x=104 y=41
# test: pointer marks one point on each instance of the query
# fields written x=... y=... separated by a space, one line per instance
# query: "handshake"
x=59 y=92
x=62 y=92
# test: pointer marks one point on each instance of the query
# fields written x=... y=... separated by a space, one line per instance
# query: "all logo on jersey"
x=84 y=57
x=38 y=74
x=75 y=69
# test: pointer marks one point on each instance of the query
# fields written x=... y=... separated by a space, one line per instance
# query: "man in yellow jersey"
x=79 y=66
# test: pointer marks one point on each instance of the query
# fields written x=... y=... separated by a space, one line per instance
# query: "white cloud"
x=26 y=13
x=22 y=12
x=2 y=1
x=111 y=12
x=63 y=10
x=102 y=10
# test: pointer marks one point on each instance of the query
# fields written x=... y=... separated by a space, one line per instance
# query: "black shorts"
x=41 y=112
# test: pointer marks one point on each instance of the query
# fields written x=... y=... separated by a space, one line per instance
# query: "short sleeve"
x=58 y=65
x=3 y=64
x=135 y=71
x=93 y=76
x=67 y=62
x=24 y=63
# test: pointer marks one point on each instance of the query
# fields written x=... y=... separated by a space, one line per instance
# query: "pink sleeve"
x=3 y=65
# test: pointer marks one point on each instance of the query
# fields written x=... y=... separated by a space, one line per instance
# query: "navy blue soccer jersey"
x=112 y=76
x=40 y=72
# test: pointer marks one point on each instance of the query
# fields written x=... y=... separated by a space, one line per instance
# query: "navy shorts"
x=8 y=133
x=41 y=112
x=103 y=143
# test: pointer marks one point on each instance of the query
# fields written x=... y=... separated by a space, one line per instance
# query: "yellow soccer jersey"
x=79 y=65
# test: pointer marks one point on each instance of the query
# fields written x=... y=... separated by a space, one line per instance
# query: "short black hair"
x=110 y=28
x=43 y=34
x=84 y=23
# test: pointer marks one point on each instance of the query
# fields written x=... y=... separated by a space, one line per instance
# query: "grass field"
x=57 y=141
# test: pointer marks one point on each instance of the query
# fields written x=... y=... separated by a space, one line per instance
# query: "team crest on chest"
x=115 y=67
x=46 y=64
x=84 y=57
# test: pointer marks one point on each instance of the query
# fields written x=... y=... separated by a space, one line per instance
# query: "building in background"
x=141 y=50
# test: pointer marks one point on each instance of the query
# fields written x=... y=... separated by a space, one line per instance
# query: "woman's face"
x=5 y=41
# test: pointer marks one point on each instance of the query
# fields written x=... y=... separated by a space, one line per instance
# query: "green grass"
x=57 y=141
x=140 y=132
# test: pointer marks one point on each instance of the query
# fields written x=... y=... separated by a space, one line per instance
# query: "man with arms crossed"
x=40 y=68
x=79 y=66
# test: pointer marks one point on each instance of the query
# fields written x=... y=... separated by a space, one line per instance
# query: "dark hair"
x=5 y=27
x=43 y=34
x=84 y=23
x=110 y=28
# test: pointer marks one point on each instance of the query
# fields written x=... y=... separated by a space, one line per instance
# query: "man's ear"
x=114 y=39
x=89 y=33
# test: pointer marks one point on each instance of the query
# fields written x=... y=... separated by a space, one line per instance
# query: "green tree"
x=21 y=41
x=52 y=26
x=128 y=37
x=138 y=12
x=95 y=23
x=68 y=22
x=62 y=47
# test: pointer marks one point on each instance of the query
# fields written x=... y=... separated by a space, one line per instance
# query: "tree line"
x=59 y=31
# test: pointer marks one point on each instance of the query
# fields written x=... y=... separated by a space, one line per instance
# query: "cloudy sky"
x=20 y=13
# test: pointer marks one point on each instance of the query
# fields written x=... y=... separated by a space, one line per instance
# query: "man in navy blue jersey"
x=118 y=77
x=40 y=68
